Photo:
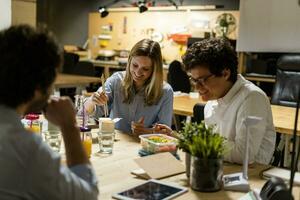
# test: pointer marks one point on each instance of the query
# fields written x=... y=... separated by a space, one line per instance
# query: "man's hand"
x=163 y=129
x=61 y=112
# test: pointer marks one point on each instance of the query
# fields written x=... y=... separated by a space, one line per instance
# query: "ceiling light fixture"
x=173 y=3
x=142 y=6
x=103 y=9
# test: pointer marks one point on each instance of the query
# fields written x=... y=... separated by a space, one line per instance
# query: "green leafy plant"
x=201 y=141
x=186 y=134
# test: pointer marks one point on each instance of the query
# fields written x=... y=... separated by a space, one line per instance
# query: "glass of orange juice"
x=34 y=128
x=86 y=139
x=32 y=123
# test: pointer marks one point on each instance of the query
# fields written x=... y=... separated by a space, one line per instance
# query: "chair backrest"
x=178 y=78
x=287 y=85
x=198 y=112
x=70 y=61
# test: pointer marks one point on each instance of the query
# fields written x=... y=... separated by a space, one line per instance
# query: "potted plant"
x=207 y=149
x=185 y=138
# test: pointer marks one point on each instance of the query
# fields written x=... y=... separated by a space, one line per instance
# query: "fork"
x=106 y=114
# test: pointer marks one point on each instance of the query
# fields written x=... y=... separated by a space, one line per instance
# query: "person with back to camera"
x=212 y=64
x=29 y=169
x=138 y=96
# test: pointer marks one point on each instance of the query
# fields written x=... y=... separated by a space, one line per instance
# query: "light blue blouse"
x=159 y=113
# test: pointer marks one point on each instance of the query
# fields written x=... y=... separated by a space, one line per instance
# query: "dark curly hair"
x=29 y=59
x=216 y=53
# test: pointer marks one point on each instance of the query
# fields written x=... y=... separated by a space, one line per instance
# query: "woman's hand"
x=138 y=128
x=99 y=98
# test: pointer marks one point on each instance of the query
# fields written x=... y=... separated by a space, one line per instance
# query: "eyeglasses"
x=200 y=81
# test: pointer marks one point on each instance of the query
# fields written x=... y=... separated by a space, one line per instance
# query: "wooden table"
x=284 y=122
x=183 y=105
x=283 y=117
x=260 y=79
x=106 y=65
x=114 y=170
x=114 y=65
x=69 y=80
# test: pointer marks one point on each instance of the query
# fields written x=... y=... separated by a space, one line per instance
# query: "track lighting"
x=103 y=11
x=142 y=6
x=173 y=3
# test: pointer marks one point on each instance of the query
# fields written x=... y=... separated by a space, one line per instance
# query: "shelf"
x=260 y=79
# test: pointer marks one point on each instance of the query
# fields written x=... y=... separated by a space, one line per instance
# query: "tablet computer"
x=151 y=190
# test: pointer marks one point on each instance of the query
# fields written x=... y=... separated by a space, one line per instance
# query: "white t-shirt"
x=227 y=113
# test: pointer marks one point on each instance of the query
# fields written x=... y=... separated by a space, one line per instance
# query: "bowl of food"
x=156 y=143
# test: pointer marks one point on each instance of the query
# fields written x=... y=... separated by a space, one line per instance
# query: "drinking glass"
x=106 y=135
x=53 y=139
x=82 y=116
x=106 y=142
x=86 y=139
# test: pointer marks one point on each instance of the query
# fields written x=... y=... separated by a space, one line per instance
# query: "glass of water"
x=82 y=116
x=106 y=142
x=106 y=135
x=53 y=138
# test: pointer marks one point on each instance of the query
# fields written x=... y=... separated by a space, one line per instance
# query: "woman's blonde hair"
x=154 y=85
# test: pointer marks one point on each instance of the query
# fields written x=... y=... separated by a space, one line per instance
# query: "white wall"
x=269 y=26
x=5 y=16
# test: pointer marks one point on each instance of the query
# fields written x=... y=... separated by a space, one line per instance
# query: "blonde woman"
x=138 y=95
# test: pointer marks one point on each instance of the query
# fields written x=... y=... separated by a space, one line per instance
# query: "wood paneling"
x=140 y=25
x=24 y=12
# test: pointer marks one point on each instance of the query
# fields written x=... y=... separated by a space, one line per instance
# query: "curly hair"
x=216 y=54
x=29 y=59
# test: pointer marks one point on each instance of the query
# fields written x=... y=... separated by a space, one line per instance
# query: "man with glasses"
x=212 y=65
